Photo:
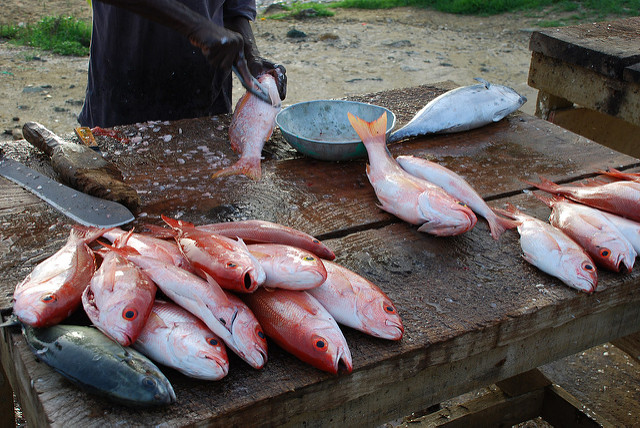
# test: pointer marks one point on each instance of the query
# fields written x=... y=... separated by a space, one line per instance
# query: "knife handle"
x=41 y=138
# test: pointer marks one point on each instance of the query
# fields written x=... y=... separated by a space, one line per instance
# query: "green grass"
x=61 y=35
x=582 y=10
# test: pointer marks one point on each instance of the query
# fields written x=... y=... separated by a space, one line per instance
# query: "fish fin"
x=159 y=231
x=545 y=185
x=498 y=225
x=175 y=223
x=88 y=234
x=249 y=167
x=549 y=200
x=368 y=131
x=484 y=82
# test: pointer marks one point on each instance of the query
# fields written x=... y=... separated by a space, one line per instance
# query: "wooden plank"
x=629 y=344
x=594 y=91
x=562 y=409
x=525 y=382
x=7 y=418
x=606 y=48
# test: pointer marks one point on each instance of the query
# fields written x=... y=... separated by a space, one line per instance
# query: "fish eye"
x=604 y=252
x=388 y=308
x=588 y=267
x=462 y=203
x=48 y=298
x=129 y=314
x=320 y=344
x=315 y=241
x=212 y=341
x=260 y=333
x=308 y=258
x=148 y=382
x=231 y=265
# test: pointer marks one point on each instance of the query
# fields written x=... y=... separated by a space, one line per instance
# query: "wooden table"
x=596 y=68
x=474 y=311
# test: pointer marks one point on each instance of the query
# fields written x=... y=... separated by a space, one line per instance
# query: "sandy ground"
x=354 y=52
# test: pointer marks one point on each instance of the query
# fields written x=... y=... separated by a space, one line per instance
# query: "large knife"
x=85 y=209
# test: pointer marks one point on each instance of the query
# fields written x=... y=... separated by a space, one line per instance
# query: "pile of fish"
x=592 y=224
x=422 y=192
x=225 y=285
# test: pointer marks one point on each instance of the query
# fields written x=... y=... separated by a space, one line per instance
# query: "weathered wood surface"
x=594 y=65
x=608 y=48
x=474 y=311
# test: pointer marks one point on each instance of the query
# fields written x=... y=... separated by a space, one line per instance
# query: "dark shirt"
x=140 y=70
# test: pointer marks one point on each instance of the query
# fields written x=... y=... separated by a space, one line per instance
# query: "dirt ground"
x=354 y=52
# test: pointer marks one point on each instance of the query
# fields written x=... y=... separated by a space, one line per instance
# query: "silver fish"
x=461 y=109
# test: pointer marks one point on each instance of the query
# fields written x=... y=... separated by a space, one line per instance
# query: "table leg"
x=7 y=416
x=547 y=103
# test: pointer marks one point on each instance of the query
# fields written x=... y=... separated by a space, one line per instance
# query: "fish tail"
x=498 y=225
x=88 y=234
x=545 y=185
x=249 y=167
x=369 y=131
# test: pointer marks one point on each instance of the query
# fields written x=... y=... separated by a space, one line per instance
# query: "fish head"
x=41 y=306
x=147 y=384
x=506 y=102
x=579 y=271
x=250 y=339
x=613 y=253
x=327 y=349
x=444 y=216
x=299 y=269
x=198 y=352
x=379 y=316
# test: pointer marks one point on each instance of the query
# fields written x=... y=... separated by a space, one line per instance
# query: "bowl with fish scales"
x=321 y=130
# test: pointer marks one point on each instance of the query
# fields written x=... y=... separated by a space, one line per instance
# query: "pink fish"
x=630 y=229
x=412 y=199
x=261 y=231
x=53 y=290
x=618 y=197
x=594 y=232
x=289 y=267
x=358 y=303
x=119 y=298
x=553 y=252
x=175 y=338
x=251 y=126
x=457 y=187
x=204 y=299
x=300 y=325
x=227 y=261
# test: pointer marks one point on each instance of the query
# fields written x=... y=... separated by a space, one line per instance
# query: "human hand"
x=258 y=66
x=219 y=45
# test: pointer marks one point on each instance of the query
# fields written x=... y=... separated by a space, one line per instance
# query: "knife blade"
x=84 y=209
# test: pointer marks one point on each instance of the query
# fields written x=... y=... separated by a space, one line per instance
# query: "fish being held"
x=457 y=187
x=412 y=199
x=53 y=290
x=299 y=324
x=251 y=126
x=175 y=338
x=356 y=302
x=99 y=365
x=553 y=252
x=461 y=109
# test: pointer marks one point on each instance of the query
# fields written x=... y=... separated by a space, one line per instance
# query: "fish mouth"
x=257 y=358
x=343 y=363
x=624 y=265
x=395 y=330
x=223 y=365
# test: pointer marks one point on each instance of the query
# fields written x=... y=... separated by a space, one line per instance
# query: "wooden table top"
x=474 y=311
x=609 y=48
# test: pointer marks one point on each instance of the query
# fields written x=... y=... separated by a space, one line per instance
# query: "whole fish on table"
x=175 y=338
x=227 y=261
x=204 y=299
x=593 y=231
x=119 y=298
x=457 y=187
x=554 y=252
x=53 y=290
x=410 y=198
x=461 y=109
x=251 y=126
x=300 y=325
x=618 y=197
x=261 y=231
x=289 y=267
x=358 y=303
x=99 y=365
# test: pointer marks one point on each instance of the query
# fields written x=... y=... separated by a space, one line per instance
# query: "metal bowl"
x=320 y=129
